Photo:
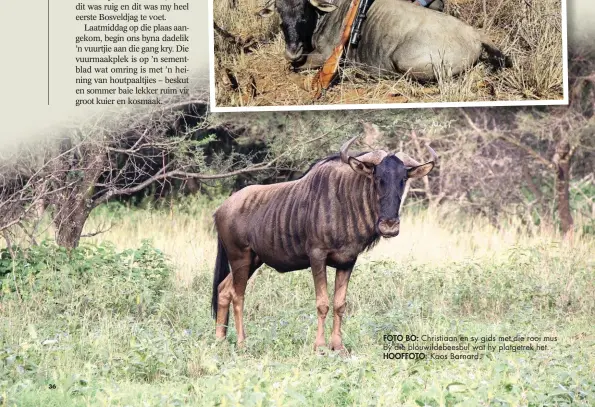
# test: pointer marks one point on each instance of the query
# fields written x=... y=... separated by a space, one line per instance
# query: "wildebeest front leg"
x=319 y=273
x=341 y=282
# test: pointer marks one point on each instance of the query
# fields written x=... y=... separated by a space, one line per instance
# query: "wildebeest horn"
x=433 y=154
x=344 y=148
x=410 y=162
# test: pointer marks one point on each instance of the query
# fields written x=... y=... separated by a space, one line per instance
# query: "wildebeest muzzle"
x=388 y=227
x=294 y=53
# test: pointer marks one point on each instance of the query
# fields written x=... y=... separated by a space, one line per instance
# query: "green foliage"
x=112 y=211
x=193 y=205
x=93 y=278
x=581 y=198
x=102 y=354
x=301 y=138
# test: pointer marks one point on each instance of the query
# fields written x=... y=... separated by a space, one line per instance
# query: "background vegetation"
x=250 y=69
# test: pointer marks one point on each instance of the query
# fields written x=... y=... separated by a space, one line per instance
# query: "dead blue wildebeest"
x=397 y=36
x=337 y=210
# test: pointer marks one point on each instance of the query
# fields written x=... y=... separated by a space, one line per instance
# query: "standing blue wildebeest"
x=338 y=209
x=397 y=36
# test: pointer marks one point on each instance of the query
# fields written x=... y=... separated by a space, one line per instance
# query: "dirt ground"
x=250 y=69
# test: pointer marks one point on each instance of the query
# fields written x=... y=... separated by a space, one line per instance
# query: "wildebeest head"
x=298 y=22
x=389 y=174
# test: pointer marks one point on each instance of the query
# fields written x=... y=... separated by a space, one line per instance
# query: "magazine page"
x=201 y=203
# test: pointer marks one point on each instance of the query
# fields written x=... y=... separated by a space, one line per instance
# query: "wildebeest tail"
x=221 y=271
x=495 y=56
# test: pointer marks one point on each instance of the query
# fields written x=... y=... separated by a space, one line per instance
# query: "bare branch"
x=512 y=140
x=97 y=232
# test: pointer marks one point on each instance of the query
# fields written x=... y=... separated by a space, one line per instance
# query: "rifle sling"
x=360 y=19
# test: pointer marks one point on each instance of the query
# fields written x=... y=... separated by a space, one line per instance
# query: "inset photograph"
x=317 y=54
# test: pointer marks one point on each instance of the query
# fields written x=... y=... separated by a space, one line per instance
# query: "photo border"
x=417 y=105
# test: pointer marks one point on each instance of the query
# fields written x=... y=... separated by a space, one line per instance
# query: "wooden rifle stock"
x=325 y=76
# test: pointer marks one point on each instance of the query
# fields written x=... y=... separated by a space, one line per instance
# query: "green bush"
x=89 y=278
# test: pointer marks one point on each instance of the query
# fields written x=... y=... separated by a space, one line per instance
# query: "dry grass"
x=428 y=237
x=250 y=69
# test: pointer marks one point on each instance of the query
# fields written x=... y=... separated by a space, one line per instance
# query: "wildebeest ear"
x=324 y=6
x=420 y=171
x=361 y=167
x=265 y=12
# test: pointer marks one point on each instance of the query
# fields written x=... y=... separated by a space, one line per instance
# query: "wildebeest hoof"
x=340 y=348
x=220 y=333
x=320 y=346
x=341 y=351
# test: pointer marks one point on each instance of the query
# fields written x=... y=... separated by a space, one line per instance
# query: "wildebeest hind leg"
x=341 y=282
x=319 y=273
x=241 y=270
x=225 y=294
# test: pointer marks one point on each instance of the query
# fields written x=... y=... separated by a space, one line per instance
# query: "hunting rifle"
x=351 y=33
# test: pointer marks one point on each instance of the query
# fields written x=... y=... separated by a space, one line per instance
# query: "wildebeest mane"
x=332 y=157
x=337 y=157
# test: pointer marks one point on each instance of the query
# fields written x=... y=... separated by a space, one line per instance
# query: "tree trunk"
x=70 y=221
x=562 y=162
x=192 y=186
x=74 y=203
